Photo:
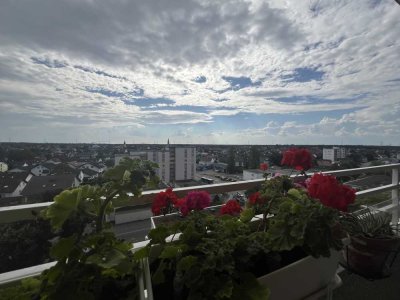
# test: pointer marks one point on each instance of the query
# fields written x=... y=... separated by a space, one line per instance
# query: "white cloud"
x=53 y=53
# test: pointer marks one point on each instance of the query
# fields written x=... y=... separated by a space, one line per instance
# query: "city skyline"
x=200 y=72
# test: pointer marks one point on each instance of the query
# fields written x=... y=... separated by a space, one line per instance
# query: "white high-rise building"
x=334 y=154
x=174 y=163
x=185 y=163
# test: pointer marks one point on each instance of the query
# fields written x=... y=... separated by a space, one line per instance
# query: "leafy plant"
x=24 y=244
x=371 y=224
x=214 y=258
x=91 y=262
x=25 y=290
x=300 y=221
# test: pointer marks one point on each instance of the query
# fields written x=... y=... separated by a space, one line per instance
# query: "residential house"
x=12 y=184
x=253 y=174
x=3 y=167
x=97 y=167
x=44 y=188
x=85 y=175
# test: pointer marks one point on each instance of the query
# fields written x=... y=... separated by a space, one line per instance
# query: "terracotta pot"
x=371 y=257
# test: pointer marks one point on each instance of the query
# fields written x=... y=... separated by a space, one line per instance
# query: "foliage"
x=303 y=222
x=372 y=224
x=91 y=262
x=24 y=244
x=275 y=158
x=20 y=155
x=299 y=159
x=214 y=258
x=231 y=161
x=25 y=290
x=254 y=158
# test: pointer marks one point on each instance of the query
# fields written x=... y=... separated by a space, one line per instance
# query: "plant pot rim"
x=392 y=238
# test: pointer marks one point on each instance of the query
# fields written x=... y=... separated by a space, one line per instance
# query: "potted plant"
x=168 y=208
x=374 y=243
x=91 y=262
x=225 y=257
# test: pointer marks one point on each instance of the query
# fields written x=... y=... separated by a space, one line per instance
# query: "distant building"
x=253 y=174
x=334 y=154
x=12 y=184
x=41 y=170
x=3 y=167
x=44 y=188
x=174 y=163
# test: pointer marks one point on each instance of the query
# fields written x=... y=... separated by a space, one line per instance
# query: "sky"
x=200 y=71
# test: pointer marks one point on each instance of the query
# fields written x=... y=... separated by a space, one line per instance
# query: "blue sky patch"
x=105 y=92
x=200 y=79
x=139 y=92
x=304 y=75
x=238 y=83
x=309 y=100
x=98 y=72
x=249 y=120
x=50 y=63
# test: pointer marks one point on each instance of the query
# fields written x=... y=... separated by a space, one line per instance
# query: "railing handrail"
x=17 y=275
x=23 y=212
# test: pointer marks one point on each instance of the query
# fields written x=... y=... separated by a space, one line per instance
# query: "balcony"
x=354 y=287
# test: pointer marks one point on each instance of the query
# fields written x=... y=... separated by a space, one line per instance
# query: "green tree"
x=2 y=154
x=254 y=159
x=20 y=155
x=231 y=161
x=275 y=158
x=24 y=244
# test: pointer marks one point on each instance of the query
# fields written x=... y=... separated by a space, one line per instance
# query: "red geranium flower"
x=163 y=202
x=256 y=198
x=330 y=192
x=263 y=166
x=300 y=159
x=196 y=200
x=231 y=207
x=182 y=206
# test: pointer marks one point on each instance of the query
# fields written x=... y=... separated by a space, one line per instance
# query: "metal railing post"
x=395 y=196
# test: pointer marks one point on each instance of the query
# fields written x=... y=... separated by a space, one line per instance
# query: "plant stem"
x=100 y=218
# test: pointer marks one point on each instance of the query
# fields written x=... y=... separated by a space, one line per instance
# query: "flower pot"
x=301 y=278
x=175 y=217
x=371 y=257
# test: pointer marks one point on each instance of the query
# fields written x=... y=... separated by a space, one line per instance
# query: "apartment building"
x=334 y=154
x=174 y=163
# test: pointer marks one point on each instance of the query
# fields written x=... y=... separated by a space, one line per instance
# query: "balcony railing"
x=23 y=212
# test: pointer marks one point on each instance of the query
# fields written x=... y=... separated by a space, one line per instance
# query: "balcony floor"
x=355 y=287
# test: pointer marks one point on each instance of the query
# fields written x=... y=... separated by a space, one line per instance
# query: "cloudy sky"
x=200 y=71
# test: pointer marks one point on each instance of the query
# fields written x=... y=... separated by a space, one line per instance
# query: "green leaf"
x=249 y=288
x=159 y=234
x=64 y=205
x=186 y=263
x=158 y=276
x=294 y=193
x=141 y=253
x=63 y=247
x=108 y=260
x=247 y=214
